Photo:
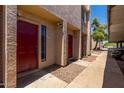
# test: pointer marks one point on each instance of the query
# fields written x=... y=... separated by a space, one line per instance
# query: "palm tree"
x=99 y=33
x=98 y=36
x=95 y=24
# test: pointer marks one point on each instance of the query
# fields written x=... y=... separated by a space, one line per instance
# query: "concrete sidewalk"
x=53 y=76
x=104 y=72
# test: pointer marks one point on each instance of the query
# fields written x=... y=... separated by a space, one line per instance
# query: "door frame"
x=3 y=44
x=38 y=24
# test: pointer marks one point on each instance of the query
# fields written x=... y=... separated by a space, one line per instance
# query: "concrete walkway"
x=103 y=72
x=40 y=79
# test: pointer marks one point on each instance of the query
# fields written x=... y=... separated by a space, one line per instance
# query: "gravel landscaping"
x=90 y=58
x=67 y=73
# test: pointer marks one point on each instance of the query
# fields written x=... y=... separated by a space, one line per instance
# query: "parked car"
x=118 y=53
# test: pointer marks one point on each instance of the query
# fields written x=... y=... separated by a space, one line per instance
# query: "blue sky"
x=99 y=11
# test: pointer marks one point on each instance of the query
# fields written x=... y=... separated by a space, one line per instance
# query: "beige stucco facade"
x=116 y=23
x=59 y=20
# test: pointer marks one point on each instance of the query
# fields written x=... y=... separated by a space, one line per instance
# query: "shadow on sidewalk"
x=67 y=74
x=32 y=77
x=28 y=79
x=113 y=78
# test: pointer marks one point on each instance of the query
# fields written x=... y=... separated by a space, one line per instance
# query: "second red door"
x=70 y=46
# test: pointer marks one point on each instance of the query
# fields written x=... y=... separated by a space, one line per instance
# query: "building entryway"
x=27 y=45
x=70 y=46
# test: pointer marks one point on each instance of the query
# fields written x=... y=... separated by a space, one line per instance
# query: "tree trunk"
x=99 y=45
x=96 y=45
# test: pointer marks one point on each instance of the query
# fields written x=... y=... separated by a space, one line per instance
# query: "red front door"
x=70 y=46
x=27 y=44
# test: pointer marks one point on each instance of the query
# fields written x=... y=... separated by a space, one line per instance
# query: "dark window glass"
x=43 y=42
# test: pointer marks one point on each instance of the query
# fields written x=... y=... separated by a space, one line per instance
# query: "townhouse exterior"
x=37 y=36
x=116 y=24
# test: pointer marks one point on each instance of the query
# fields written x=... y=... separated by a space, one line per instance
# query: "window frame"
x=43 y=42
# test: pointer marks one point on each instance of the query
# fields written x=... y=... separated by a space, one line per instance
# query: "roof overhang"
x=116 y=23
x=72 y=27
x=40 y=12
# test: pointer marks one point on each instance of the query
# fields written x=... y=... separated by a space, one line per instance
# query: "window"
x=43 y=42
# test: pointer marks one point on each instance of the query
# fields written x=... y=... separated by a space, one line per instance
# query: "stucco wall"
x=50 y=44
x=70 y=13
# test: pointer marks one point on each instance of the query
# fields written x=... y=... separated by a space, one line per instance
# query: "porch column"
x=64 y=44
x=61 y=40
x=10 y=46
x=88 y=34
x=77 y=45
